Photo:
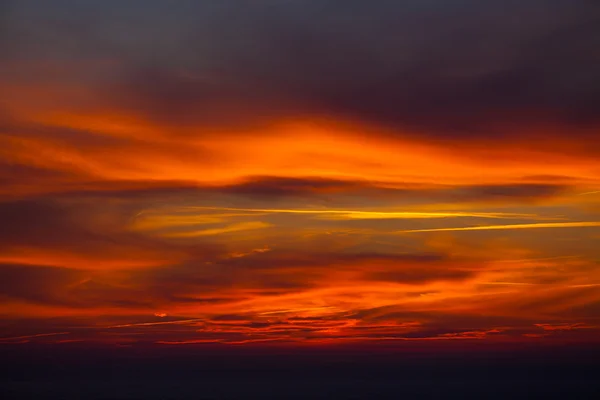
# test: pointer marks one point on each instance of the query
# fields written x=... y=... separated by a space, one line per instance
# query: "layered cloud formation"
x=299 y=172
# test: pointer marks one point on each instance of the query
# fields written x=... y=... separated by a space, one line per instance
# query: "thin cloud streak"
x=362 y=214
x=176 y=322
x=508 y=227
x=6 y=339
x=243 y=226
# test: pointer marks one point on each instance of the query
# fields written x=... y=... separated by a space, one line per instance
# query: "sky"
x=299 y=173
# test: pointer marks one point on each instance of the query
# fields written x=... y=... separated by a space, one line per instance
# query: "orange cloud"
x=212 y=197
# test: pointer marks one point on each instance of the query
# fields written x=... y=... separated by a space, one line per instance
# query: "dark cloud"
x=85 y=234
x=560 y=302
x=12 y=128
x=205 y=283
x=275 y=259
x=420 y=275
x=69 y=287
x=275 y=187
x=272 y=186
x=461 y=69
x=508 y=192
x=590 y=309
x=18 y=177
x=447 y=70
x=291 y=272
x=65 y=287
x=434 y=323
x=38 y=221
x=36 y=284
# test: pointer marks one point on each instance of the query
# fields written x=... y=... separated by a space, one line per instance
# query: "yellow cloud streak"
x=506 y=227
x=360 y=214
x=588 y=193
x=217 y=231
x=151 y=222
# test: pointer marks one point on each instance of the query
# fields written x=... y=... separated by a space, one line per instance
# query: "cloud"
x=53 y=286
x=261 y=278
x=476 y=74
x=524 y=192
x=515 y=226
x=20 y=338
x=273 y=186
x=81 y=234
x=151 y=153
x=419 y=274
x=565 y=326
x=244 y=226
x=24 y=179
x=333 y=214
x=37 y=284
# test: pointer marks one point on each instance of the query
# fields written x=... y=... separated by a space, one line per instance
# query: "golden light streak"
x=588 y=193
x=333 y=214
x=151 y=222
x=508 y=227
x=359 y=214
x=244 y=226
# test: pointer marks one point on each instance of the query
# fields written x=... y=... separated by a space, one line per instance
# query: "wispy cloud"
x=509 y=227
x=13 y=338
x=336 y=214
x=242 y=174
x=243 y=226
x=588 y=193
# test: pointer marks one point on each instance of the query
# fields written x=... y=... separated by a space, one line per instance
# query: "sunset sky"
x=299 y=173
